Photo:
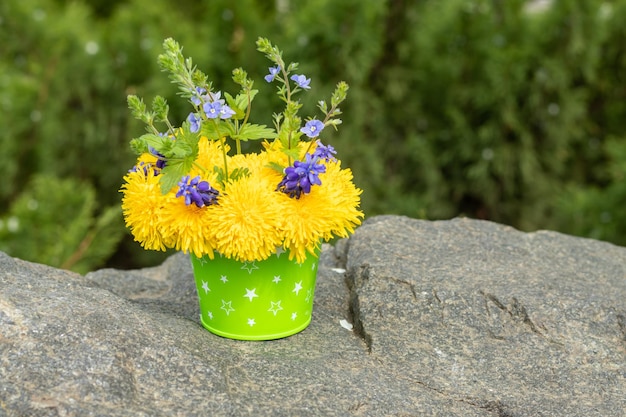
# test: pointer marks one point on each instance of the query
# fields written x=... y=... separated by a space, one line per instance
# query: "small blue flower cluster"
x=302 y=175
x=325 y=152
x=300 y=80
x=197 y=191
x=212 y=105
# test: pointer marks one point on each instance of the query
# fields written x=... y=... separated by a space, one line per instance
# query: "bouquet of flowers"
x=194 y=190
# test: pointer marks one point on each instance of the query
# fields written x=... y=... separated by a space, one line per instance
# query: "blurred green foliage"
x=55 y=219
x=485 y=108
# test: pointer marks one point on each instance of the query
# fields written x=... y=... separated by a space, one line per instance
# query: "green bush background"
x=482 y=108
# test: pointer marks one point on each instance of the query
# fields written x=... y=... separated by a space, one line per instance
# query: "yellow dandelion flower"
x=276 y=155
x=142 y=204
x=209 y=155
x=188 y=226
x=246 y=220
x=253 y=162
x=329 y=210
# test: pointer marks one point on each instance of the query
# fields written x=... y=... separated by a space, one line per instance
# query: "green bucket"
x=260 y=300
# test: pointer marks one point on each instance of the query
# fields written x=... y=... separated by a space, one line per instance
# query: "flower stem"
x=223 y=143
x=309 y=147
x=328 y=115
x=200 y=167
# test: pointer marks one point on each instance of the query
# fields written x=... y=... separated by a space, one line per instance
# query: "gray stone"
x=452 y=318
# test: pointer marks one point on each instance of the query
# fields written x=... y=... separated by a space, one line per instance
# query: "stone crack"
x=354 y=307
x=515 y=310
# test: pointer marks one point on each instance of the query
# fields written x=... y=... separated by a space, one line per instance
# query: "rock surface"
x=452 y=318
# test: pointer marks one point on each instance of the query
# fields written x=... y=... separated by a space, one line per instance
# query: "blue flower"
x=196 y=99
x=216 y=96
x=198 y=192
x=301 y=176
x=194 y=122
x=302 y=81
x=273 y=71
x=325 y=152
x=226 y=112
x=212 y=109
x=216 y=107
x=312 y=128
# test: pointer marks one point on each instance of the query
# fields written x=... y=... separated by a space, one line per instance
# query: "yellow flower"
x=253 y=162
x=275 y=154
x=209 y=155
x=330 y=209
x=246 y=220
x=188 y=227
x=142 y=205
x=147 y=158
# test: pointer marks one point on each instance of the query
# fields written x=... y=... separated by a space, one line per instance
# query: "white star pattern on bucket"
x=227 y=306
x=275 y=307
x=251 y=322
x=224 y=279
x=210 y=314
x=276 y=279
x=309 y=294
x=294 y=315
x=205 y=287
x=297 y=288
x=251 y=294
x=249 y=266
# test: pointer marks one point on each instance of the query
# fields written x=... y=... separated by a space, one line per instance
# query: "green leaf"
x=173 y=172
x=285 y=140
x=334 y=123
x=185 y=146
x=242 y=98
x=143 y=143
x=236 y=106
x=181 y=150
x=223 y=129
x=251 y=131
x=137 y=107
x=293 y=153
x=276 y=167
x=340 y=93
x=253 y=94
x=160 y=108
x=322 y=106
x=138 y=146
x=220 y=174
x=239 y=173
